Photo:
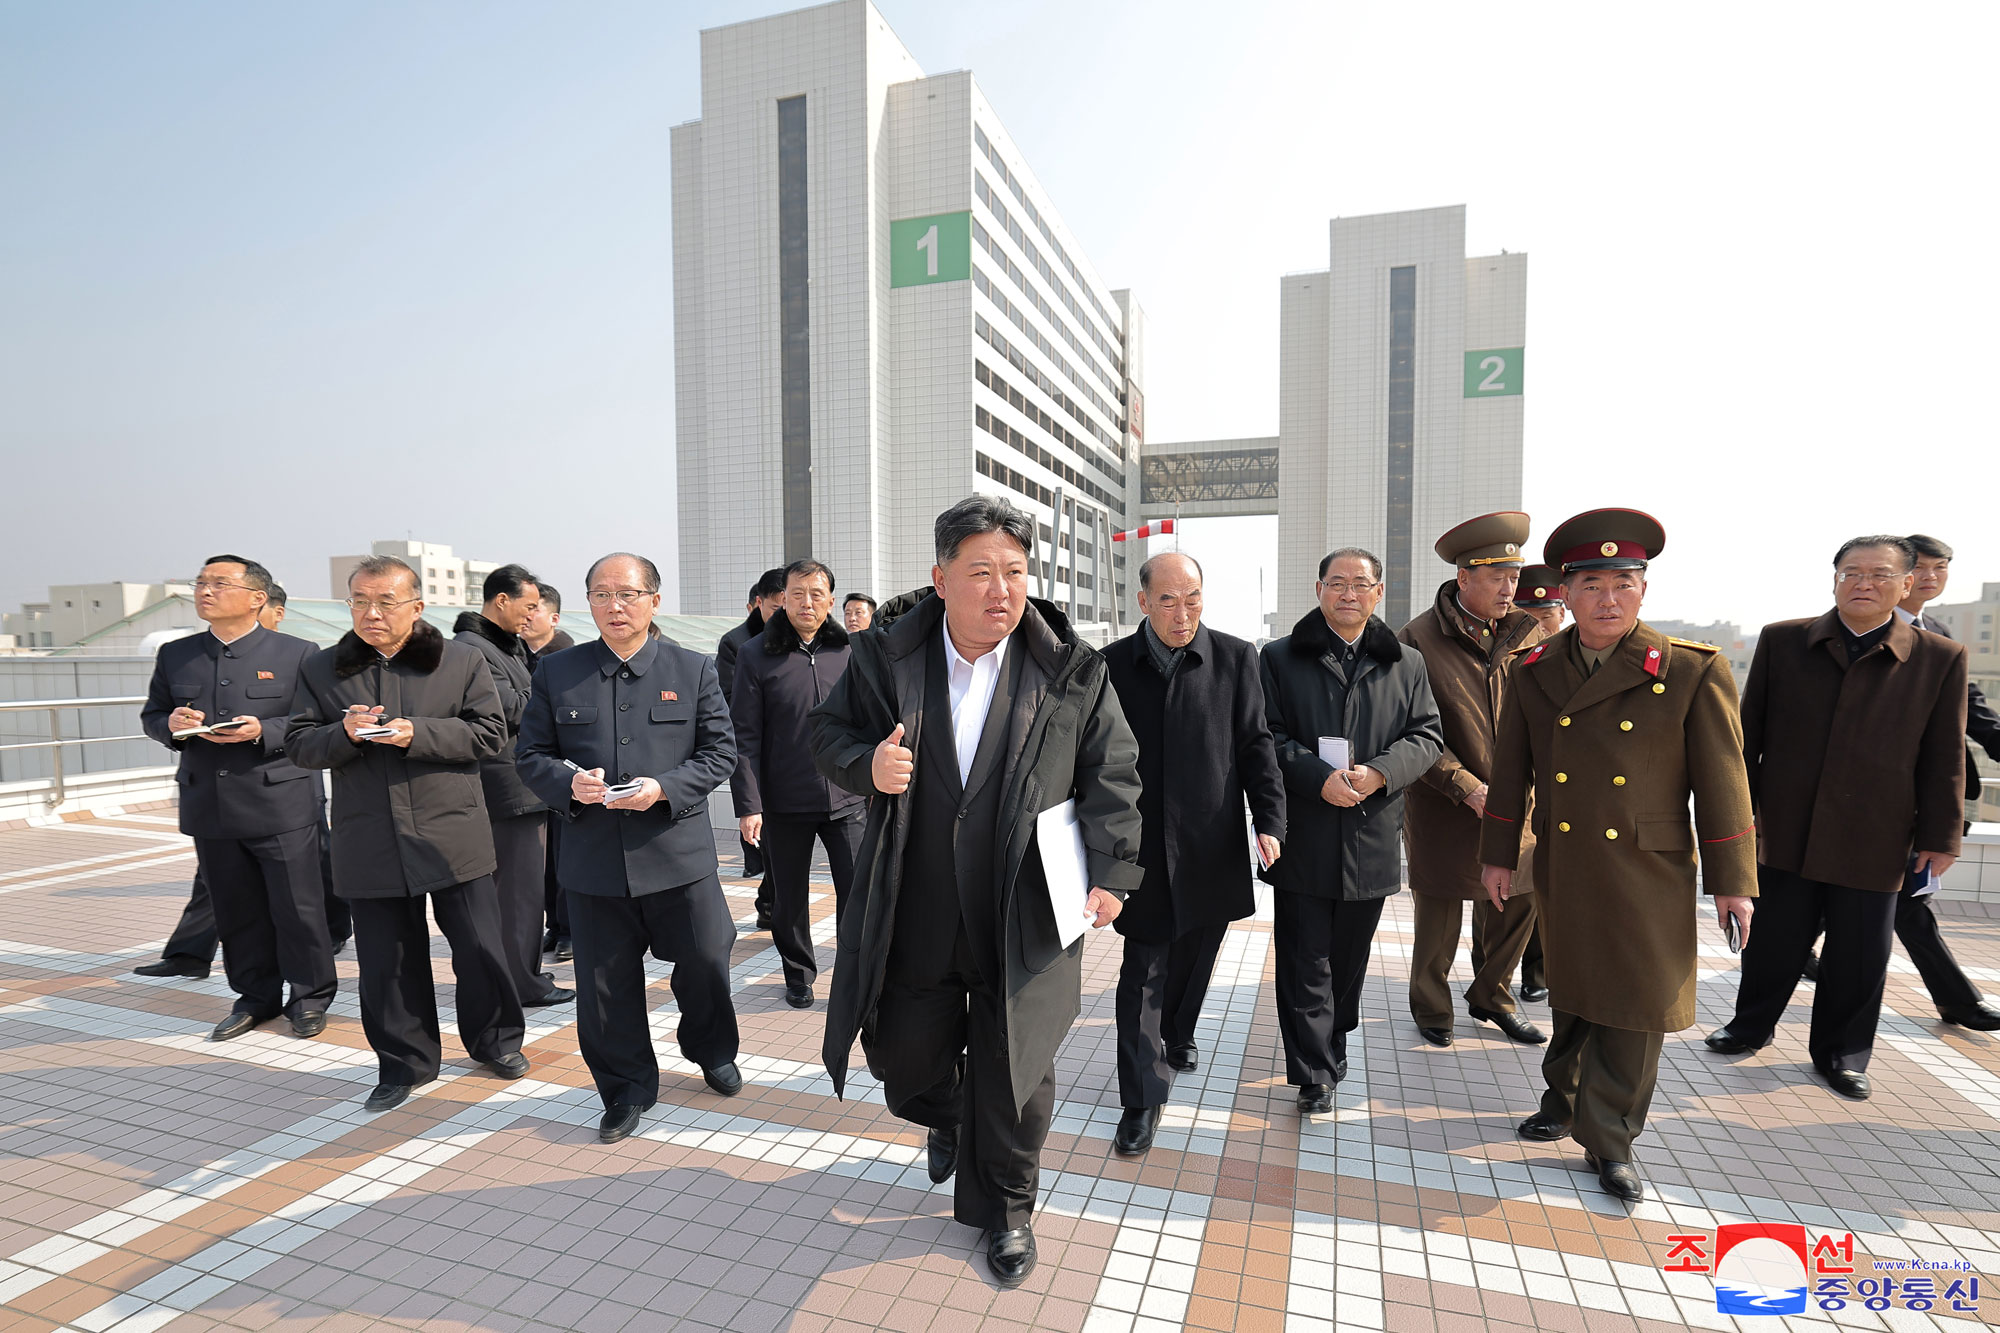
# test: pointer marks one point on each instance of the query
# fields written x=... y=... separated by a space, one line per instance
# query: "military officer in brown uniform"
x=1465 y=638
x=1610 y=728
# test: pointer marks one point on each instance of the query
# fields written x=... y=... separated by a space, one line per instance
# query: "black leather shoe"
x=1135 y=1130
x=235 y=1025
x=1811 y=972
x=619 y=1121
x=1515 y=1026
x=1849 y=1083
x=555 y=995
x=510 y=1066
x=725 y=1079
x=763 y=919
x=1543 y=1127
x=387 y=1096
x=1315 y=1099
x=941 y=1152
x=1981 y=1017
x=1620 y=1179
x=1724 y=1042
x=173 y=967
x=1534 y=994
x=309 y=1023
x=340 y=945
x=799 y=997
x=1340 y=1070
x=1183 y=1059
x=1011 y=1255
x=549 y=940
x=1436 y=1036
x=565 y=950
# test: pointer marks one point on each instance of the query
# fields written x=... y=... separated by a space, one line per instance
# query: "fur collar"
x=1313 y=637
x=477 y=623
x=354 y=654
x=781 y=636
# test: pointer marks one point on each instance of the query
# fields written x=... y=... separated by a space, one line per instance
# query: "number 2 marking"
x=1491 y=384
x=928 y=243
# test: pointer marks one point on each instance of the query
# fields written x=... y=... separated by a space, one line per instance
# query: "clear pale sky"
x=286 y=279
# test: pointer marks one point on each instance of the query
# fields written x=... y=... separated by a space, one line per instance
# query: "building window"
x=794 y=333
x=1401 y=439
x=434 y=587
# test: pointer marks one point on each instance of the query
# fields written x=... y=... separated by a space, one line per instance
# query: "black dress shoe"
x=309 y=1023
x=1011 y=1255
x=387 y=1096
x=941 y=1152
x=340 y=945
x=1811 y=972
x=1135 y=1130
x=235 y=1025
x=725 y=1079
x=509 y=1066
x=1620 y=1179
x=173 y=967
x=763 y=919
x=549 y=940
x=1436 y=1036
x=565 y=950
x=554 y=995
x=1981 y=1017
x=1849 y=1083
x=799 y=997
x=1515 y=1026
x=1315 y=1099
x=1340 y=1070
x=1183 y=1059
x=1534 y=994
x=1543 y=1127
x=619 y=1121
x=1724 y=1042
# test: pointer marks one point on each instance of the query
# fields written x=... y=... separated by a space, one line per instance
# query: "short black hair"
x=376 y=565
x=1146 y=569
x=276 y=594
x=551 y=596
x=806 y=568
x=859 y=597
x=978 y=514
x=1929 y=548
x=1901 y=545
x=510 y=581
x=254 y=574
x=647 y=569
x=1374 y=561
x=771 y=583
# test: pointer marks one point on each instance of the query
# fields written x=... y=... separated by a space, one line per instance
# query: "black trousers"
x=520 y=848
x=1917 y=928
x=1534 y=975
x=555 y=903
x=270 y=914
x=1322 y=961
x=689 y=927
x=1160 y=992
x=940 y=1050
x=194 y=934
x=392 y=945
x=788 y=847
x=1853 y=964
x=1600 y=1082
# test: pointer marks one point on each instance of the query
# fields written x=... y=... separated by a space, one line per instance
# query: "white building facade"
x=447 y=579
x=877 y=311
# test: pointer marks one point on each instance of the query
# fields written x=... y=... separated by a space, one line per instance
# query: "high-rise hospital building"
x=877 y=311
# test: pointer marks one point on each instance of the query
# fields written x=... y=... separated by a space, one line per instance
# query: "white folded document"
x=1065 y=868
x=1333 y=750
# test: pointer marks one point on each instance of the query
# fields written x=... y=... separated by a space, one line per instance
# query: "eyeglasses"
x=363 y=605
x=217 y=585
x=1860 y=579
x=1341 y=587
x=624 y=596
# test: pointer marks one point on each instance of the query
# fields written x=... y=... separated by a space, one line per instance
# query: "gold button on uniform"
x=1612 y=834
x=1564 y=826
x=1562 y=721
x=1658 y=688
x=1618 y=781
x=1624 y=726
x=1562 y=777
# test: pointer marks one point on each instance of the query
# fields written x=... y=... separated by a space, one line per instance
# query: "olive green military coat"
x=1613 y=761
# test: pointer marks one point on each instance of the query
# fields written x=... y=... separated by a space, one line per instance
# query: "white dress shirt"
x=972 y=687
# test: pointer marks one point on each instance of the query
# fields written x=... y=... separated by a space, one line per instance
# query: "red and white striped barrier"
x=1159 y=528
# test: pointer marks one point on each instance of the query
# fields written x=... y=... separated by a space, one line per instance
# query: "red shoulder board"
x=1652 y=661
x=1534 y=653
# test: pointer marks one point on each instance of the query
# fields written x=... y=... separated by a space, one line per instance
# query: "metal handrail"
x=54 y=744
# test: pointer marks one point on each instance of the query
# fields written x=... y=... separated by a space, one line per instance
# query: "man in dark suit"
x=624 y=739
x=544 y=636
x=1196 y=706
x=767 y=599
x=253 y=813
x=1854 y=733
x=954 y=966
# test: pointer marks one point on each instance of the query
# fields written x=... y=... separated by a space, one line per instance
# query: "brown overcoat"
x=1467 y=663
x=1612 y=761
x=1854 y=767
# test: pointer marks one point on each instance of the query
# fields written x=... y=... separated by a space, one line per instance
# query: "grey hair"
x=375 y=566
x=977 y=514
x=1902 y=546
x=1374 y=561
x=649 y=571
x=1146 y=570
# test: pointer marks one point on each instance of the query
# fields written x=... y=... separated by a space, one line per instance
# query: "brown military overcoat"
x=1612 y=761
x=1467 y=665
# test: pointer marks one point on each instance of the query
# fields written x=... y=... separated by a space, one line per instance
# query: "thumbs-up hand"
x=892 y=766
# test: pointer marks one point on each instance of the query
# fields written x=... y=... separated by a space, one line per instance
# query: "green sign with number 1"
x=1493 y=373
x=932 y=249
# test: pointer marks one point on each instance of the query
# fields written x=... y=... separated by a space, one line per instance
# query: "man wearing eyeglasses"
x=1854 y=729
x=624 y=739
x=252 y=811
x=403 y=717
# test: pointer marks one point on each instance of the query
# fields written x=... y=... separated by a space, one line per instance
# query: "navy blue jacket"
x=248 y=789
x=659 y=716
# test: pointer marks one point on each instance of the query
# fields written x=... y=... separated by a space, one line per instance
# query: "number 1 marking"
x=1491 y=384
x=928 y=244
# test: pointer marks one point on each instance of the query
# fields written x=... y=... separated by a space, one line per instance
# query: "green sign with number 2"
x=1493 y=373
x=932 y=249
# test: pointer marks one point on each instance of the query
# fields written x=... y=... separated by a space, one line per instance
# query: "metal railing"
x=55 y=708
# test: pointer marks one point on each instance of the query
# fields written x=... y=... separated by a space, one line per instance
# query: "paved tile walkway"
x=150 y=1179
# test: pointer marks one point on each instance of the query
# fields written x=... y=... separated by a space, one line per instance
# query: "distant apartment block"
x=75 y=611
